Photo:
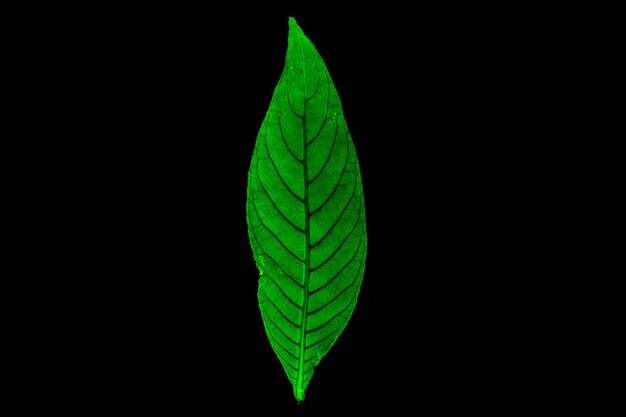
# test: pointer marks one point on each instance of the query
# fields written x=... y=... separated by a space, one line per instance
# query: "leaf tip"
x=293 y=25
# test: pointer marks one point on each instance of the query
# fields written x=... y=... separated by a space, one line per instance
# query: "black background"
x=489 y=283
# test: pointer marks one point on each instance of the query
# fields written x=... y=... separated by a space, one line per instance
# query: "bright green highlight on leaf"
x=305 y=213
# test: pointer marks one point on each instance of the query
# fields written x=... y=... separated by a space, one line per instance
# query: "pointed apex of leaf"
x=295 y=31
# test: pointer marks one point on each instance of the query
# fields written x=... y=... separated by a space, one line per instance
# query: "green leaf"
x=305 y=214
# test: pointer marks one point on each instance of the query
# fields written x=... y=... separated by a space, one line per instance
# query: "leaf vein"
x=262 y=249
x=285 y=349
x=338 y=248
x=336 y=222
x=280 y=329
x=269 y=197
x=271 y=232
x=309 y=143
x=317 y=85
x=327 y=283
x=317 y=342
x=269 y=155
x=327 y=322
x=284 y=316
x=271 y=278
x=301 y=117
x=330 y=153
x=339 y=294
x=334 y=191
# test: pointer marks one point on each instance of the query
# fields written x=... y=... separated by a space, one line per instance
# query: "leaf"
x=305 y=214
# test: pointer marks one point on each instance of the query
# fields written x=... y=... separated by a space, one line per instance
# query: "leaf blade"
x=305 y=214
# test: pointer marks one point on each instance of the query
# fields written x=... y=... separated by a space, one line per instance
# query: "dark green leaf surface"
x=305 y=213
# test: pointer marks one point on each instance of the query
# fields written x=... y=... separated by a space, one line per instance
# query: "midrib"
x=307 y=243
